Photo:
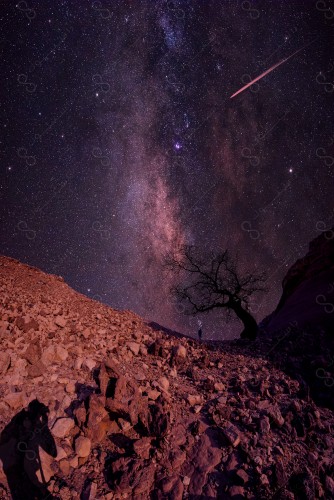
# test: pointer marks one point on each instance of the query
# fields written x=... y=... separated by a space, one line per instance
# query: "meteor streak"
x=269 y=70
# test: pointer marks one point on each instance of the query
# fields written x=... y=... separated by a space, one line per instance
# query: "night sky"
x=120 y=141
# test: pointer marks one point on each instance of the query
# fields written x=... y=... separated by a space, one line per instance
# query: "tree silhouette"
x=208 y=282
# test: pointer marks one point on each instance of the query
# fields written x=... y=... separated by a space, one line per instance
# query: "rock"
x=232 y=434
x=237 y=492
x=54 y=354
x=98 y=421
x=74 y=462
x=265 y=425
x=61 y=453
x=276 y=415
x=264 y=480
x=62 y=427
x=78 y=363
x=329 y=483
x=60 y=321
x=186 y=480
x=243 y=476
x=14 y=400
x=233 y=462
x=33 y=352
x=163 y=383
x=89 y=363
x=280 y=474
x=4 y=362
x=142 y=447
x=36 y=370
x=65 y=466
x=134 y=347
x=218 y=386
x=172 y=487
x=61 y=353
x=180 y=352
x=153 y=394
x=159 y=418
x=125 y=425
x=82 y=446
x=194 y=399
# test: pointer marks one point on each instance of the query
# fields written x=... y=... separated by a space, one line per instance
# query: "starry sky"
x=120 y=141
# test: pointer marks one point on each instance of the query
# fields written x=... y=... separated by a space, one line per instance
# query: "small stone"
x=86 y=333
x=70 y=388
x=60 y=321
x=242 y=474
x=197 y=408
x=180 y=351
x=186 y=480
x=124 y=424
x=134 y=347
x=4 y=362
x=237 y=491
x=194 y=399
x=276 y=415
x=153 y=394
x=33 y=353
x=78 y=363
x=61 y=453
x=74 y=462
x=89 y=363
x=64 y=466
x=14 y=399
x=219 y=386
x=329 y=483
x=142 y=447
x=264 y=480
x=61 y=353
x=232 y=434
x=163 y=383
x=62 y=427
x=82 y=446
x=265 y=425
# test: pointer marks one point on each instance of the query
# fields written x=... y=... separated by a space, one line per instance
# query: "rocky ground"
x=95 y=404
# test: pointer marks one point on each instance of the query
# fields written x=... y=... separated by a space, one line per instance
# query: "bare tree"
x=210 y=282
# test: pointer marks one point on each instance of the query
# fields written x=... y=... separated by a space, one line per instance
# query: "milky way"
x=120 y=141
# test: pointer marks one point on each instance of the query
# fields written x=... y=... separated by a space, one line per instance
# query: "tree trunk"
x=250 y=324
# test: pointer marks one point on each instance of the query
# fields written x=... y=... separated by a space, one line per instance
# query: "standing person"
x=200 y=332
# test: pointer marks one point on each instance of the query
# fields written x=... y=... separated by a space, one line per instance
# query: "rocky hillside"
x=96 y=404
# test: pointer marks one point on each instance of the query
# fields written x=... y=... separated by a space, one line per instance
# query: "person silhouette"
x=200 y=332
x=20 y=442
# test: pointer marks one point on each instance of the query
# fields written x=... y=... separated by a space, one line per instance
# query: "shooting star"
x=270 y=70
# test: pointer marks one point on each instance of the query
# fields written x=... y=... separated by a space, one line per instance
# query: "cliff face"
x=96 y=404
x=300 y=330
x=308 y=289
